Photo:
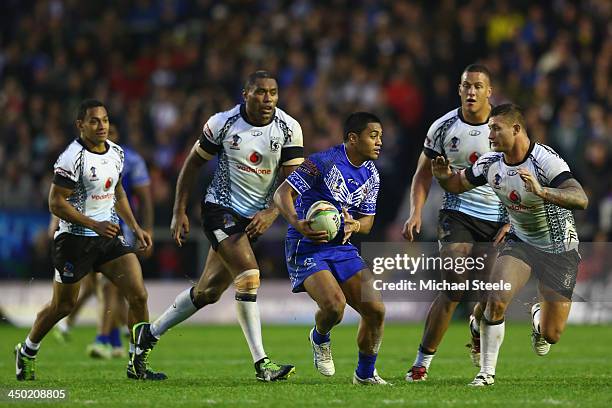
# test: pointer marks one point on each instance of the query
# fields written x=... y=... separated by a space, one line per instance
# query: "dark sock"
x=365 y=366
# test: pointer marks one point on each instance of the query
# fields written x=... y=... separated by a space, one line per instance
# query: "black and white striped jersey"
x=249 y=157
x=534 y=220
x=463 y=143
x=92 y=177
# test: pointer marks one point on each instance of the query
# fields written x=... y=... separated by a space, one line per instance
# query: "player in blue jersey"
x=332 y=272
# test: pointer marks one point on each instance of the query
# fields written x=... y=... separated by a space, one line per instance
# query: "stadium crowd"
x=164 y=66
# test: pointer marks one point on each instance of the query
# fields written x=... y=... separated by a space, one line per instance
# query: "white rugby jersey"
x=534 y=220
x=92 y=177
x=463 y=143
x=249 y=157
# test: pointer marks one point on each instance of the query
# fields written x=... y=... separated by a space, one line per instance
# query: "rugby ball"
x=324 y=217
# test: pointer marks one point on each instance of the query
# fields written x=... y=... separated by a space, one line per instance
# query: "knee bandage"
x=247 y=282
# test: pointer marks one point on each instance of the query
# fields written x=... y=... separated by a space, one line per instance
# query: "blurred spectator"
x=164 y=66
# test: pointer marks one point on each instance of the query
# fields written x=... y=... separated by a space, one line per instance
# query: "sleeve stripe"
x=292 y=152
x=475 y=181
x=209 y=146
x=432 y=154
x=293 y=186
x=566 y=175
x=64 y=181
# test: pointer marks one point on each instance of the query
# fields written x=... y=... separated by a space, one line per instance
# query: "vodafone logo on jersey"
x=255 y=158
x=108 y=183
x=514 y=196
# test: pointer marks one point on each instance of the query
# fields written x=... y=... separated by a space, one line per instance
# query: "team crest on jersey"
x=275 y=144
x=235 y=142
x=515 y=197
x=473 y=157
x=496 y=180
x=255 y=158
x=474 y=132
x=454 y=143
x=108 y=183
x=68 y=270
x=93 y=176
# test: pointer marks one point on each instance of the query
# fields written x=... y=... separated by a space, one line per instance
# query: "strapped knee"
x=246 y=284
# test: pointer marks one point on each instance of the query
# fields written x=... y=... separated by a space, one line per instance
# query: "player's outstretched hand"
x=144 y=239
x=531 y=183
x=179 y=227
x=261 y=222
x=499 y=237
x=106 y=229
x=350 y=225
x=411 y=224
x=440 y=168
x=318 y=237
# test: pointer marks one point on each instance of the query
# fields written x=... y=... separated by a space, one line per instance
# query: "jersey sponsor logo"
x=473 y=157
x=106 y=196
x=93 y=176
x=474 y=132
x=248 y=169
x=255 y=158
x=108 y=183
x=235 y=142
x=514 y=196
x=455 y=141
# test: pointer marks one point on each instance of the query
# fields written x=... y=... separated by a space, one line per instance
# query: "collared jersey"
x=330 y=176
x=535 y=221
x=463 y=143
x=249 y=157
x=92 y=177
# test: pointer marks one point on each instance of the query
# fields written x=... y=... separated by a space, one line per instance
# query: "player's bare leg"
x=324 y=289
x=361 y=296
x=88 y=288
x=439 y=315
x=549 y=318
x=492 y=326
x=125 y=273
x=61 y=304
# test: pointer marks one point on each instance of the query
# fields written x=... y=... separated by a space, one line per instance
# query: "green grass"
x=211 y=366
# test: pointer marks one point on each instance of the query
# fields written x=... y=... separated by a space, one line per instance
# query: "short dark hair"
x=88 y=104
x=357 y=121
x=255 y=76
x=478 y=68
x=511 y=110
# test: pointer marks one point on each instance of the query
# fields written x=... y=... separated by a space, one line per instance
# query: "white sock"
x=536 y=321
x=491 y=338
x=423 y=359
x=62 y=325
x=475 y=326
x=180 y=310
x=30 y=344
x=248 y=317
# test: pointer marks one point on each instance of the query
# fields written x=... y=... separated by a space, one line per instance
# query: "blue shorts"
x=305 y=259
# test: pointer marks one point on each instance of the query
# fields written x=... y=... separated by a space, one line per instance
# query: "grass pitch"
x=211 y=366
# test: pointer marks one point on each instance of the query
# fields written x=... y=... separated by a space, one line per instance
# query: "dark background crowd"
x=164 y=66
